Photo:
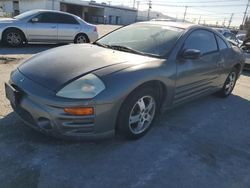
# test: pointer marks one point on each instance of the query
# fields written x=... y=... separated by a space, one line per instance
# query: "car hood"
x=6 y=20
x=59 y=66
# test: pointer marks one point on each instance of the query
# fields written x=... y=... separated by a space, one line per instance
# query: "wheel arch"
x=158 y=86
x=238 y=67
x=14 y=28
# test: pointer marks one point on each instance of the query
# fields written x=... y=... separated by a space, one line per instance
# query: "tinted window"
x=47 y=18
x=201 y=40
x=221 y=43
x=67 y=19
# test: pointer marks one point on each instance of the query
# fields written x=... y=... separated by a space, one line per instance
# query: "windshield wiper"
x=101 y=44
x=118 y=47
x=126 y=49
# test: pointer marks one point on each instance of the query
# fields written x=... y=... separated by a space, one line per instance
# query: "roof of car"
x=46 y=10
x=181 y=25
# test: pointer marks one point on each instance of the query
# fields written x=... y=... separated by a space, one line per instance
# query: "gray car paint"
x=56 y=72
x=121 y=73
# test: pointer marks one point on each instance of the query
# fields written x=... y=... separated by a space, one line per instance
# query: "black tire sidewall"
x=124 y=113
x=223 y=91
x=86 y=38
x=14 y=31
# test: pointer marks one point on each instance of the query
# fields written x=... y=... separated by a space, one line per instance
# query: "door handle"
x=53 y=27
x=220 y=63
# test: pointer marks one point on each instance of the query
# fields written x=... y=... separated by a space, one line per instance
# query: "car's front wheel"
x=229 y=83
x=137 y=113
x=13 y=38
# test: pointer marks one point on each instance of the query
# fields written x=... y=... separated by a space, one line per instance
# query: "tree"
x=248 y=33
x=246 y=23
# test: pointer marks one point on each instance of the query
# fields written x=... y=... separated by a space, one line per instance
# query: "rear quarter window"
x=66 y=19
x=221 y=43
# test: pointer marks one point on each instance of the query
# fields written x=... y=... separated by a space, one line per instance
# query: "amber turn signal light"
x=80 y=111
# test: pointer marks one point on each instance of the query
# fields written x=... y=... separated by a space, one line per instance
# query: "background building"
x=88 y=10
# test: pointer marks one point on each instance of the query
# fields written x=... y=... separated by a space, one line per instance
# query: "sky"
x=209 y=11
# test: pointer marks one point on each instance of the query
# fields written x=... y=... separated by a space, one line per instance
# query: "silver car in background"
x=46 y=26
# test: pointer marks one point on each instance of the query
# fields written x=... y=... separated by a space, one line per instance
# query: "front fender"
x=120 y=84
x=21 y=27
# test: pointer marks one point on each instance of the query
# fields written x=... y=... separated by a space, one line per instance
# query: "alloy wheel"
x=14 y=39
x=231 y=80
x=81 y=39
x=142 y=114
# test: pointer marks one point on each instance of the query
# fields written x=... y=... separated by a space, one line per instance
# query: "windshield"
x=148 y=39
x=25 y=15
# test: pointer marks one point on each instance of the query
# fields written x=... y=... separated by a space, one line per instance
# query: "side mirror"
x=191 y=54
x=34 y=20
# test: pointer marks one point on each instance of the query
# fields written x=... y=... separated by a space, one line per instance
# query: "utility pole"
x=53 y=4
x=138 y=4
x=109 y=3
x=185 y=13
x=230 y=21
x=224 y=21
x=134 y=4
x=199 y=20
x=149 y=7
x=245 y=13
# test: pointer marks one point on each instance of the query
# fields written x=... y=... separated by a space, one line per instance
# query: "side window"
x=67 y=19
x=46 y=18
x=201 y=40
x=221 y=43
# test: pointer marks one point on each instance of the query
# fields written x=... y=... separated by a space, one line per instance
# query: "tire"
x=135 y=119
x=229 y=84
x=81 y=38
x=13 y=38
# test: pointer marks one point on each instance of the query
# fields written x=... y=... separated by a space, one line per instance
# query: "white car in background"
x=245 y=46
x=46 y=26
x=228 y=35
x=241 y=38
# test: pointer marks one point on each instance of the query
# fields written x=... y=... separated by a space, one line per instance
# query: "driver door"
x=199 y=76
x=43 y=29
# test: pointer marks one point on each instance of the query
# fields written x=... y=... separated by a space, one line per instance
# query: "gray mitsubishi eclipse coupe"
x=122 y=81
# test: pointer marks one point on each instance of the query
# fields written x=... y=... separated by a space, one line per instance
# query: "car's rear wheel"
x=81 y=38
x=13 y=38
x=229 y=83
x=138 y=113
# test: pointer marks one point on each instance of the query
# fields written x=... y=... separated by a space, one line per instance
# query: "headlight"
x=85 y=87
